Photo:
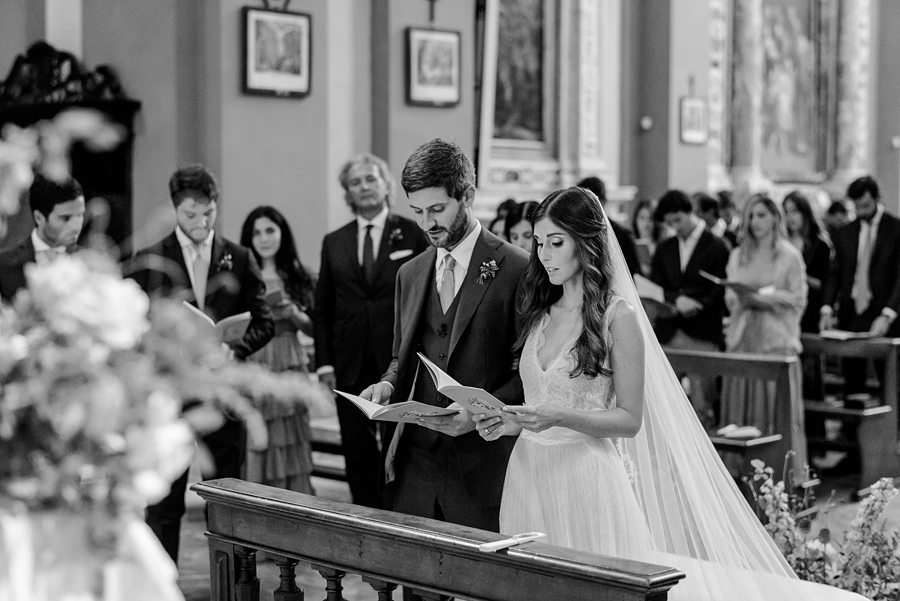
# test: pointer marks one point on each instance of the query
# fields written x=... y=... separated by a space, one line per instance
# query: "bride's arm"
x=623 y=420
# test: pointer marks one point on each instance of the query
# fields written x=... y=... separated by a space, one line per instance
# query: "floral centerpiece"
x=866 y=560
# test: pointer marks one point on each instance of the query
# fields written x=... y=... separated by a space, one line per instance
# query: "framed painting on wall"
x=432 y=67
x=277 y=47
x=693 y=122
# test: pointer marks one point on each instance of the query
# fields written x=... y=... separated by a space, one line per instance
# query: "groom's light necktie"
x=200 y=269
x=861 y=292
x=448 y=284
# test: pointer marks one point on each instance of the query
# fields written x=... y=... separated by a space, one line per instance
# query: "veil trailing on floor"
x=692 y=505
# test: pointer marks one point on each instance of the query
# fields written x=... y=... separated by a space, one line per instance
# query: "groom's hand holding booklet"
x=407 y=411
x=475 y=400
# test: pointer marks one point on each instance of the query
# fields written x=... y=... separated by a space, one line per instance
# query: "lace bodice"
x=554 y=384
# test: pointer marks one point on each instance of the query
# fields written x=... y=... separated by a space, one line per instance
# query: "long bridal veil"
x=692 y=505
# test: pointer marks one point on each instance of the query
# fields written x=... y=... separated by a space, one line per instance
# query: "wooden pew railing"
x=786 y=432
x=874 y=428
x=389 y=549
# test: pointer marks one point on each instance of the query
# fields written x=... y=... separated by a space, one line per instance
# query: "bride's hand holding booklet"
x=475 y=400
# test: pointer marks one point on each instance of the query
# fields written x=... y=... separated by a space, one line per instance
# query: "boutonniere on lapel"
x=396 y=237
x=487 y=271
x=226 y=263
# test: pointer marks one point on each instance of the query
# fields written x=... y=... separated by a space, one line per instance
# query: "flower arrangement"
x=94 y=386
x=487 y=271
x=867 y=561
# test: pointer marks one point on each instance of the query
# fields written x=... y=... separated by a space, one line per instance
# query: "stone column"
x=718 y=177
x=746 y=113
x=596 y=132
x=854 y=89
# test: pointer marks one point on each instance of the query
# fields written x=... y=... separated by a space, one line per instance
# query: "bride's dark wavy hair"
x=577 y=211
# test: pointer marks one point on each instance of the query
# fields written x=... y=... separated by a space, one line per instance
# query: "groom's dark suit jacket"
x=480 y=353
x=710 y=255
x=233 y=285
x=354 y=320
x=12 y=268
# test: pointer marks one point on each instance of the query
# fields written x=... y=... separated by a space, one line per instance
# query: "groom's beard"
x=455 y=233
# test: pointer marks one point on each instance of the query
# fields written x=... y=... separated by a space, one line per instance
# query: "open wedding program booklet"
x=739 y=287
x=230 y=330
x=407 y=411
x=476 y=400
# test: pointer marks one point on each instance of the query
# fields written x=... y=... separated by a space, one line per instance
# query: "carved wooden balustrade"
x=388 y=549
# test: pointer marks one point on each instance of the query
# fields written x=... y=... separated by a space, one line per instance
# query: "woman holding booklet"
x=287 y=462
x=765 y=317
x=610 y=456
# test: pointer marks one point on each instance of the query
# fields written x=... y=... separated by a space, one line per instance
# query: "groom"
x=455 y=305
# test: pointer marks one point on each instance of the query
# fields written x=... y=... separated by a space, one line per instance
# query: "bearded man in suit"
x=58 y=211
x=456 y=305
x=354 y=317
x=221 y=279
x=862 y=293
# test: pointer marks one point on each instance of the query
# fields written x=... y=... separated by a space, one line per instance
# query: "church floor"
x=835 y=490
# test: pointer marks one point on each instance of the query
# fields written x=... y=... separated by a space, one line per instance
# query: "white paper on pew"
x=516 y=539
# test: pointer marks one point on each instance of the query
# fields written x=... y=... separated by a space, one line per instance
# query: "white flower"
x=157 y=455
x=77 y=300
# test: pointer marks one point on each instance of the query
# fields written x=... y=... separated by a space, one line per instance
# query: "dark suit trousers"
x=855 y=371
x=362 y=455
x=227 y=446
x=429 y=484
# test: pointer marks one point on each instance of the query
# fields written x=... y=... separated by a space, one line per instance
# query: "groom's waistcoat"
x=434 y=342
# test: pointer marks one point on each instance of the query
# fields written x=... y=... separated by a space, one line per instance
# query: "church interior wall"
x=886 y=101
x=181 y=60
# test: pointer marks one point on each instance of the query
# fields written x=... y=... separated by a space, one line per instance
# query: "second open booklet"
x=407 y=411
x=476 y=400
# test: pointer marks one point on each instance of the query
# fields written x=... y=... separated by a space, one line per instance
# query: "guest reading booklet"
x=476 y=400
x=230 y=330
x=739 y=287
x=407 y=411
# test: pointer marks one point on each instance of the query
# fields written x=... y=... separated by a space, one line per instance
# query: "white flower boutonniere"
x=487 y=271
x=226 y=263
x=396 y=237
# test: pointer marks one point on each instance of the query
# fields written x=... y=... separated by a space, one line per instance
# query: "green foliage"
x=866 y=560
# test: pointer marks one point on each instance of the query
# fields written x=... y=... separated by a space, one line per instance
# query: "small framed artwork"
x=693 y=120
x=277 y=47
x=432 y=67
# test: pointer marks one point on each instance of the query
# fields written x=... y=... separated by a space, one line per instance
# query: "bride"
x=610 y=456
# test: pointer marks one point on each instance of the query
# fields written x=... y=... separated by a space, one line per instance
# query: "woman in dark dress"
x=805 y=233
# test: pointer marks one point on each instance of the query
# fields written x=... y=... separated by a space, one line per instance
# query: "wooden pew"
x=390 y=549
x=875 y=426
x=328 y=454
x=787 y=432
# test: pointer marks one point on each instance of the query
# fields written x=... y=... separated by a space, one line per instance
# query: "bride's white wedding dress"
x=580 y=491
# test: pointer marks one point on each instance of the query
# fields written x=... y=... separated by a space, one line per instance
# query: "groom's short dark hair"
x=438 y=164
